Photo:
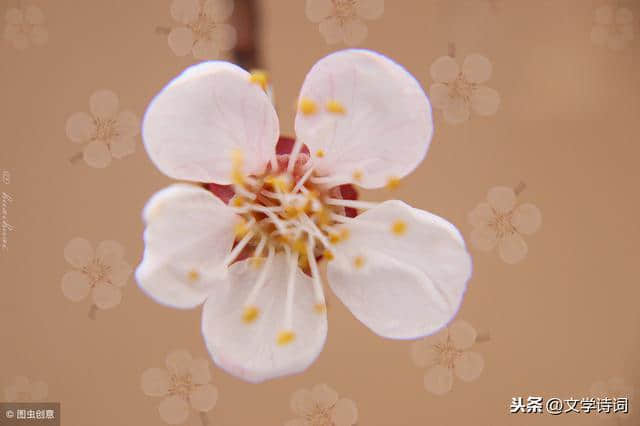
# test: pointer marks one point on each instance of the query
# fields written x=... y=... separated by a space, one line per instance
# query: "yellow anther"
x=193 y=276
x=237 y=159
x=320 y=153
x=286 y=337
x=335 y=107
x=357 y=175
x=334 y=238
x=292 y=212
x=323 y=217
x=307 y=106
x=358 y=262
x=283 y=239
x=327 y=254
x=250 y=314
x=257 y=262
x=281 y=184
x=399 y=227
x=240 y=229
x=303 y=261
x=300 y=246
x=393 y=182
x=260 y=78
x=320 y=308
x=237 y=201
x=344 y=234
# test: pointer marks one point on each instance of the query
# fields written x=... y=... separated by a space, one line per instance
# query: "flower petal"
x=501 y=198
x=199 y=371
x=411 y=285
x=33 y=15
x=481 y=215
x=120 y=273
x=476 y=68
x=250 y=351
x=344 y=413
x=218 y=10
x=323 y=396
x=19 y=40
x=174 y=410
x=121 y=147
x=110 y=253
x=96 y=154
x=526 y=218
x=438 y=380
x=332 y=30
x=302 y=402
x=485 y=101
x=370 y=9
x=484 y=238
x=386 y=128
x=78 y=252
x=444 y=69
x=80 y=127
x=422 y=353
x=440 y=98
x=106 y=296
x=462 y=334
x=225 y=37
x=75 y=286
x=185 y=11
x=181 y=40
x=155 y=382
x=512 y=248
x=194 y=124
x=317 y=10
x=354 y=32
x=204 y=397
x=469 y=366
x=205 y=49
x=39 y=35
x=104 y=104
x=189 y=232
x=179 y=362
x=457 y=111
x=127 y=123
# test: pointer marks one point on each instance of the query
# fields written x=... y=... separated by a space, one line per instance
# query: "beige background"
x=560 y=320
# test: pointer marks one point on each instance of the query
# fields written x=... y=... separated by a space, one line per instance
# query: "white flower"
x=458 y=91
x=184 y=385
x=106 y=131
x=612 y=27
x=447 y=353
x=24 y=390
x=343 y=20
x=254 y=262
x=501 y=222
x=25 y=26
x=321 y=406
x=101 y=272
x=203 y=33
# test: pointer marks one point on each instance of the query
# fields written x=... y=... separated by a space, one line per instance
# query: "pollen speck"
x=250 y=314
x=260 y=78
x=307 y=106
x=320 y=153
x=399 y=227
x=286 y=337
x=327 y=254
x=357 y=175
x=393 y=182
x=334 y=238
x=358 y=262
x=237 y=201
x=320 y=308
x=335 y=107
x=193 y=276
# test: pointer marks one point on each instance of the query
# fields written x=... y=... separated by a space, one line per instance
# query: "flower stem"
x=160 y=30
x=75 y=157
x=204 y=419
x=452 y=49
x=92 y=311
x=520 y=187
x=483 y=336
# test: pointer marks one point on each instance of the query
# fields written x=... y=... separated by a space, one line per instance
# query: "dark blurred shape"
x=247 y=21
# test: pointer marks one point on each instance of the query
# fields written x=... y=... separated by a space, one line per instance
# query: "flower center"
x=96 y=271
x=345 y=9
x=461 y=88
x=181 y=385
x=447 y=353
x=105 y=129
x=319 y=416
x=203 y=27
x=502 y=225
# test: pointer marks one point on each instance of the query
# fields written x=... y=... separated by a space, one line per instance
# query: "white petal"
x=204 y=397
x=386 y=129
x=106 y=296
x=526 y=218
x=344 y=413
x=205 y=49
x=189 y=232
x=179 y=362
x=218 y=10
x=155 y=382
x=354 y=32
x=194 y=124
x=332 y=30
x=78 y=252
x=317 y=10
x=501 y=198
x=439 y=93
x=438 y=380
x=468 y=366
x=457 y=111
x=181 y=40
x=104 y=104
x=80 y=127
x=512 y=248
x=174 y=410
x=485 y=101
x=476 y=68
x=370 y=9
x=33 y=15
x=411 y=285
x=75 y=286
x=96 y=154
x=250 y=351
x=122 y=147
x=444 y=69
x=110 y=253
x=462 y=334
x=185 y=11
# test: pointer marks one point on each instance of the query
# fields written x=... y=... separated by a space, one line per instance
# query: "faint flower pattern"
x=25 y=27
x=447 y=353
x=22 y=389
x=458 y=91
x=321 y=406
x=612 y=388
x=501 y=222
x=184 y=384
x=343 y=20
x=203 y=32
x=106 y=131
x=613 y=27
x=101 y=272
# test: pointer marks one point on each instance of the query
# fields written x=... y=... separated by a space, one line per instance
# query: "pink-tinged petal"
x=75 y=286
x=485 y=101
x=481 y=215
x=438 y=380
x=444 y=69
x=225 y=37
x=96 y=154
x=189 y=232
x=121 y=147
x=199 y=371
x=218 y=10
x=501 y=198
x=192 y=127
x=526 y=218
x=39 y=35
x=14 y=16
x=354 y=32
x=457 y=111
x=323 y=396
x=332 y=30
x=468 y=366
x=80 y=127
x=603 y=15
x=476 y=68
x=106 y=296
x=174 y=410
x=599 y=35
x=440 y=97
x=250 y=350
x=462 y=334
x=512 y=248
x=155 y=382
x=181 y=40
x=104 y=104
x=427 y=263
x=204 y=397
x=78 y=252
x=386 y=127
x=33 y=15
x=185 y=11
x=344 y=413
x=317 y=10
x=484 y=238
x=205 y=49
x=370 y=9
x=179 y=362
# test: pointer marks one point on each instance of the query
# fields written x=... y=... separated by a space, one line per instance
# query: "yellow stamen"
x=237 y=201
x=334 y=238
x=344 y=234
x=320 y=153
x=307 y=106
x=357 y=175
x=300 y=246
x=358 y=262
x=237 y=159
x=399 y=227
x=286 y=337
x=393 y=182
x=257 y=262
x=335 y=107
x=292 y=212
x=323 y=217
x=303 y=261
x=320 y=308
x=250 y=314
x=240 y=229
x=328 y=255
x=260 y=78
x=193 y=276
